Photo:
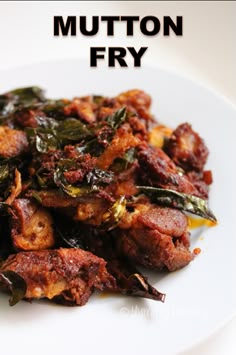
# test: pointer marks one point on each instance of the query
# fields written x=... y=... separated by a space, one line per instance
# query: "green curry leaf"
x=15 y=284
x=179 y=200
x=117 y=118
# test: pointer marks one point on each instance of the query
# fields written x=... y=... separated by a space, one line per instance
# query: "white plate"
x=201 y=297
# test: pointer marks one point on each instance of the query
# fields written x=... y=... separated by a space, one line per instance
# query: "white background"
x=206 y=52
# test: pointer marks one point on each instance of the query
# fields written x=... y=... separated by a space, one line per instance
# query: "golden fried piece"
x=31 y=226
x=83 y=107
x=12 y=142
x=136 y=101
x=66 y=275
x=123 y=140
x=91 y=209
x=158 y=135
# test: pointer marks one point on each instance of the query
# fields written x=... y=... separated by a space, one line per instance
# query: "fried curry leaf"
x=121 y=164
x=45 y=142
x=53 y=108
x=181 y=201
x=74 y=191
x=117 y=118
x=7 y=103
x=99 y=177
x=91 y=146
x=114 y=214
x=72 y=130
x=4 y=172
x=91 y=182
x=28 y=95
x=15 y=284
x=68 y=232
x=130 y=281
x=52 y=135
x=137 y=285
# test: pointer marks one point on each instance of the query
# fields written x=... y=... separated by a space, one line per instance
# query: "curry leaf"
x=92 y=180
x=121 y=164
x=4 y=172
x=52 y=135
x=72 y=130
x=45 y=142
x=130 y=281
x=112 y=217
x=28 y=95
x=15 y=284
x=182 y=201
x=117 y=118
x=68 y=231
x=99 y=176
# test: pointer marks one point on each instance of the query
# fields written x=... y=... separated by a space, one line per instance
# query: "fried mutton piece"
x=31 y=226
x=187 y=149
x=67 y=276
x=157 y=169
x=12 y=142
x=155 y=237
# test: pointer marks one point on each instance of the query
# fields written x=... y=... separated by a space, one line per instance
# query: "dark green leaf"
x=46 y=122
x=4 y=172
x=114 y=214
x=7 y=104
x=92 y=147
x=37 y=197
x=68 y=231
x=121 y=164
x=52 y=135
x=99 y=177
x=28 y=95
x=53 y=108
x=130 y=281
x=182 y=201
x=43 y=139
x=117 y=118
x=15 y=284
x=97 y=99
x=45 y=142
x=17 y=99
x=73 y=191
x=72 y=130
x=91 y=183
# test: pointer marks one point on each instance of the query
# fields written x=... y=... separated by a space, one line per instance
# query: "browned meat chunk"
x=137 y=101
x=83 y=108
x=138 y=127
x=125 y=183
x=157 y=169
x=28 y=118
x=187 y=149
x=122 y=141
x=12 y=142
x=91 y=209
x=53 y=198
x=201 y=181
x=155 y=237
x=31 y=226
x=65 y=275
